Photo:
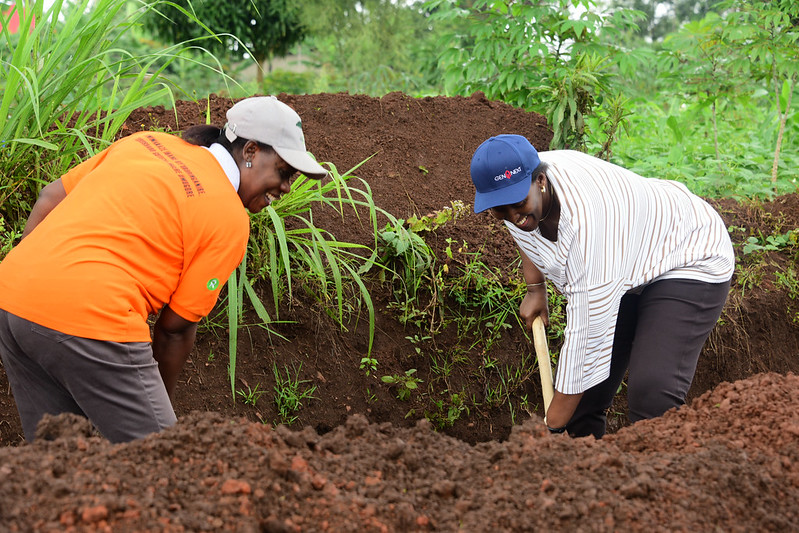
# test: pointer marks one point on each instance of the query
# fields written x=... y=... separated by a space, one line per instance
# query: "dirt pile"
x=727 y=463
x=369 y=461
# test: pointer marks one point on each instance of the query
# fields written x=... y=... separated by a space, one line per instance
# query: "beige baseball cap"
x=268 y=120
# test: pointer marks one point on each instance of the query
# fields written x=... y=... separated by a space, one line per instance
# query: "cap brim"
x=302 y=162
x=511 y=194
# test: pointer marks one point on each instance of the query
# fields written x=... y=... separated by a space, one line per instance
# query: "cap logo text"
x=508 y=174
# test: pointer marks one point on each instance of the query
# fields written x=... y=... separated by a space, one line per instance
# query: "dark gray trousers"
x=659 y=335
x=117 y=386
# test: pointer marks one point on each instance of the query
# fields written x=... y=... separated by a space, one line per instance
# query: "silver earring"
x=248 y=164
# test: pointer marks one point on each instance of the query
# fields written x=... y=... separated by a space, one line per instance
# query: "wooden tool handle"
x=544 y=365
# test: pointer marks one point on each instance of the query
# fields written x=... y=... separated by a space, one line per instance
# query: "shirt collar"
x=227 y=163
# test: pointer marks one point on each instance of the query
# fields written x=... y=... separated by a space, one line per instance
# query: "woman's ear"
x=540 y=180
x=249 y=150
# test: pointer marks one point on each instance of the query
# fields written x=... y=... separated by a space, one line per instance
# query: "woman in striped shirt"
x=644 y=264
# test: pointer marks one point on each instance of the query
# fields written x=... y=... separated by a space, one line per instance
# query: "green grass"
x=68 y=86
x=290 y=393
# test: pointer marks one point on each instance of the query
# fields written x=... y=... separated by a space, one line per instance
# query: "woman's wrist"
x=553 y=429
x=534 y=286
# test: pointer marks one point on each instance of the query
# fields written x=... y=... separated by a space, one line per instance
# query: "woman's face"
x=527 y=213
x=266 y=180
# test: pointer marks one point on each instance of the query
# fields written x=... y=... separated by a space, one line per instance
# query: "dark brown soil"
x=366 y=460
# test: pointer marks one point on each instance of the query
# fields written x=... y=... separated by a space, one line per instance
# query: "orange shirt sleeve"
x=215 y=247
x=77 y=173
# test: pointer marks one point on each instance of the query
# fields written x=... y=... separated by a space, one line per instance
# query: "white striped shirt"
x=617 y=232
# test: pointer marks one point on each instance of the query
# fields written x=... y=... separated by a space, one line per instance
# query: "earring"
x=543 y=190
x=248 y=164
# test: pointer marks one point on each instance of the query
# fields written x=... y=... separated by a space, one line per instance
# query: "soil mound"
x=726 y=463
x=367 y=460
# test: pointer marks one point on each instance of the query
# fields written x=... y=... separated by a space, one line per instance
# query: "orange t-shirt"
x=151 y=220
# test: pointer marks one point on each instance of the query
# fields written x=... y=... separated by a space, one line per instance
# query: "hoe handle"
x=544 y=365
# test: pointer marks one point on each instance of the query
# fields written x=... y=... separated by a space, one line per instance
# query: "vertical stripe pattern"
x=617 y=231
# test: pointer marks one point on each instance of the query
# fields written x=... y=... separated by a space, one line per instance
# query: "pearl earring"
x=248 y=164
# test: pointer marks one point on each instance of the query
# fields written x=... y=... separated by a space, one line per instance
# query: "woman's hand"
x=535 y=304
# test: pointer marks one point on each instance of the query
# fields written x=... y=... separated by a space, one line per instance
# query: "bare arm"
x=49 y=197
x=535 y=301
x=173 y=339
x=534 y=304
x=561 y=409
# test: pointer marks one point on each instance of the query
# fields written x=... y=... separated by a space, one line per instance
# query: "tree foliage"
x=766 y=34
x=261 y=28
x=543 y=56
x=370 y=46
x=663 y=18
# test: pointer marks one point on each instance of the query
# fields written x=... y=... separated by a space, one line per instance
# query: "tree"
x=699 y=59
x=264 y=28
x=542 y=56
x=664 y=17
x=767 y=34
x=370 y=46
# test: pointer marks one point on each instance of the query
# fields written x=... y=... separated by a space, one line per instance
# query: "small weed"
x=748 y=276
x=416 y=340
x=789 y=282
x=436 y=219
x=369 y=364
x=370 y=396
x=405 y=383
x=442 y=364
x=250 y=396
x=448 y=412
x=290 y=393
x=489 y=362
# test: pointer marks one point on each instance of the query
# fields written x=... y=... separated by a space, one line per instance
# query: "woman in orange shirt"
x=152 y=225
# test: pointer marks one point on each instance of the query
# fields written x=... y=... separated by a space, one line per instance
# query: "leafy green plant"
x=771 y=242
x=567 y=94
x=448 y=411
x=560 y=63
x=279 y=252
x=768 y=39
x=408 y=253
x=406 y=383
x=369 y=364
x=290 y=393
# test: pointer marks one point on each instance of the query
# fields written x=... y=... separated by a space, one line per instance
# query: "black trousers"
x=659 y=335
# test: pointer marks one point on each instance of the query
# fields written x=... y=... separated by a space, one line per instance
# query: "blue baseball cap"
x=502 y=171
